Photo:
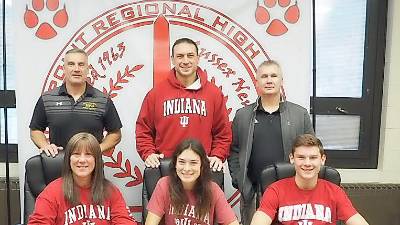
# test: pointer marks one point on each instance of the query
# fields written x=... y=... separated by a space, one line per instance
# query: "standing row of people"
x=185 y=105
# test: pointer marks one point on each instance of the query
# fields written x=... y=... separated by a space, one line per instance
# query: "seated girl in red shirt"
x=187 y=195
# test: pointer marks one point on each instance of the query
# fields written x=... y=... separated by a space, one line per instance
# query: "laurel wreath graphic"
x=126 y=171
x=121 y=79
x=116 y=163
x=225 y=96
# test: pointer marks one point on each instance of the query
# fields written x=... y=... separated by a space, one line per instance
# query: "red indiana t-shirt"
x=323 y=205
x=52 y=208
x=160 y=204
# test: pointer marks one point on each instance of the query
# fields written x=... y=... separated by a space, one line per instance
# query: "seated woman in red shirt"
x=82 y=195
x=187 y=195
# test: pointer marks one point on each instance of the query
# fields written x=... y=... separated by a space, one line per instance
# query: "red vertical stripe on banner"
x=161 y=64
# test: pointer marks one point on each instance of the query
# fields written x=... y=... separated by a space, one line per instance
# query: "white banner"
x=126 y=41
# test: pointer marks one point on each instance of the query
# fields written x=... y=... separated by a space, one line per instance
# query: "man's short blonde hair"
x=76 y=50
x=271 y=62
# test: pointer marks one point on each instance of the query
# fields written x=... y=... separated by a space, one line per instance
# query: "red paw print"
x=45 y=30
x=276 y=27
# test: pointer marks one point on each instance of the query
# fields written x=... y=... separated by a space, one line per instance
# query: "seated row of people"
x=188 y=196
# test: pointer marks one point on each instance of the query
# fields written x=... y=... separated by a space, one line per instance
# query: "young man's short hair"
x=307 y=140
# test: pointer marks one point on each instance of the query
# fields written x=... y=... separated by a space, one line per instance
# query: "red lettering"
x=229 y=72
x=59 y=72
x=253 y=52
x=222 y=66
x=52 y=85
x=230 y=30
x=127 y=13
x=139 y=9
x=99 y=26
x=111 y=19
x=196 y=15
x=151 y=9
x=218 y=22
x=240 y=85
x=185 y=10
x=240 y=38
x=81 y=39
x=204 y=53
x=171 y=10
x=242 y=96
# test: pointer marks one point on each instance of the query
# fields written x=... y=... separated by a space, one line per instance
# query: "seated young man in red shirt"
x=304 y=199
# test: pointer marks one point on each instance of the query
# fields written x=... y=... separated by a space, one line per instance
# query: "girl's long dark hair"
x=202 y=188
x=100 y=187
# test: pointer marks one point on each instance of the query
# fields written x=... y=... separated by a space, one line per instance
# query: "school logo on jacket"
x=89 y=105
x=184 y=120
x=88 y=223
x=305 y=222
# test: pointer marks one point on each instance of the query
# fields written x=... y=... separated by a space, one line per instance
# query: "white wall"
x=389 y=152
